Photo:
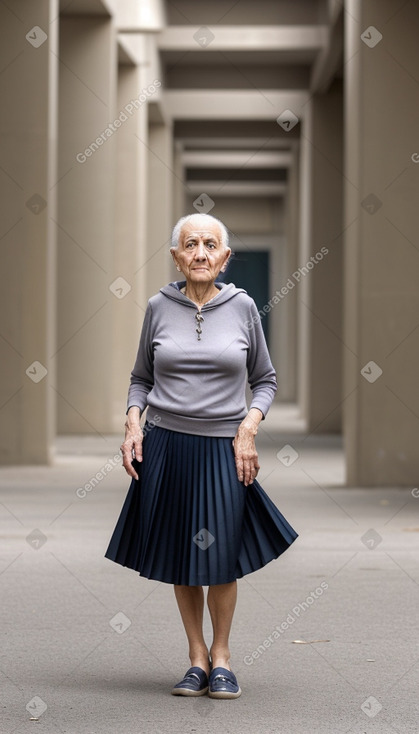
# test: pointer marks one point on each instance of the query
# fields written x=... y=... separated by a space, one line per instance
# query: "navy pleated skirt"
x=188 y=520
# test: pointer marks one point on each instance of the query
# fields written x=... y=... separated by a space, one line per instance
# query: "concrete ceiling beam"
x=217 y=189
x=223 y=104
x=237 y=159
x=242 y=38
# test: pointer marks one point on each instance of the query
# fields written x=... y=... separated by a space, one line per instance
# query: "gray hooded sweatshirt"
x=198 y=385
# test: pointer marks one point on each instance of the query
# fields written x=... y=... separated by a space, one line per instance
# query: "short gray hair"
x=184 y=220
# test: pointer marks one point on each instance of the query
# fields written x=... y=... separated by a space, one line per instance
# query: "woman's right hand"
x=132 y=448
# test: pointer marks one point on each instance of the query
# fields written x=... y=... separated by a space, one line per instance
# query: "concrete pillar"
x=304 y=246
x=86 y=205
x=129 y=271
x=319 y=273
x=160 y=192
x=179 y=186
x=28 y=131
x=179 y=194
x=325 y=381
x=287 y=332
x=381 y=259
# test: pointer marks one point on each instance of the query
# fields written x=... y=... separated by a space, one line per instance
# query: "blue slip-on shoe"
x=223 y=684
x=194 y=683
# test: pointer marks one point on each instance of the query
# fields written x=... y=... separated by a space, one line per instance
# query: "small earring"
x=177 y=267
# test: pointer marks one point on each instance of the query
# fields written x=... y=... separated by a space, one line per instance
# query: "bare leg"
x=190 y=600
x=221 y=604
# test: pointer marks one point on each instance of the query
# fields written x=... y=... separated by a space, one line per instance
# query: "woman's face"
x=200 y=253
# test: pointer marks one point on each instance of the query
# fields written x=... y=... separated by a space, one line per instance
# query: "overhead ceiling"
x=228 y=70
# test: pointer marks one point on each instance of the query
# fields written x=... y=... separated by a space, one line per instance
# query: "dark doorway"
x=249 y=269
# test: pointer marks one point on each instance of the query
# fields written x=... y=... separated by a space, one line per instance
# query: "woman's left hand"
x=245 y=453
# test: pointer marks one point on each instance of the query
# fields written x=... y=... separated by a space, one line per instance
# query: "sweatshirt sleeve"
x=261 y=374
x=142 y=375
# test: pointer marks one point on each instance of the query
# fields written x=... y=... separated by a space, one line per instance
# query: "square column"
x=319 y=272
x=160 y=223
x=179 y=185
x=129 y=270
x=28 y=132
x=286 y=359
x=381 y=409
x=86 y=197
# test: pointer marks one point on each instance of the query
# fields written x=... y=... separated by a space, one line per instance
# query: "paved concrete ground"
x=89 y=647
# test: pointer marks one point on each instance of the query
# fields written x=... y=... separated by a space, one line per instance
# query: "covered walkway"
x=296 y=123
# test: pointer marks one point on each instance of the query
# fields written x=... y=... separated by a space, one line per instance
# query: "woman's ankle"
x=200 y=659
x=220 y=658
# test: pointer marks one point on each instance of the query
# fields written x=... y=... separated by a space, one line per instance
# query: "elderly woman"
x=194 y=515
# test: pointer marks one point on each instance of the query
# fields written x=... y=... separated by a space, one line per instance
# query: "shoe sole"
x=188 y=692
x=224 y=694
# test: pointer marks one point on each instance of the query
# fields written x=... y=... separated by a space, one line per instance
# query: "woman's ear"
x=224 y=267
x=172 y=252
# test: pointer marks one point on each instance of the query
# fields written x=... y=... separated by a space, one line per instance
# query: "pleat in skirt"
x=189 y=520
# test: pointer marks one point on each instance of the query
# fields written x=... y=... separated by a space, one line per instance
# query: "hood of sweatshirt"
x=227 y=292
